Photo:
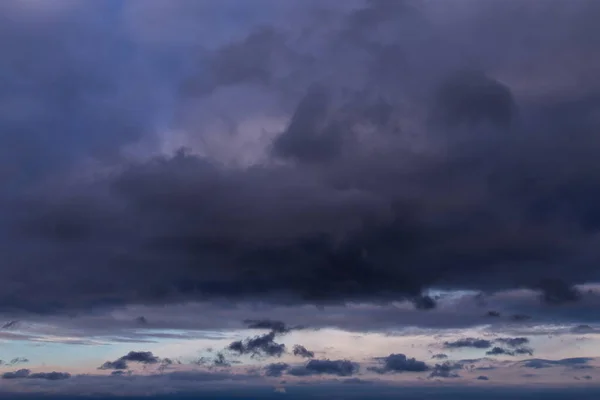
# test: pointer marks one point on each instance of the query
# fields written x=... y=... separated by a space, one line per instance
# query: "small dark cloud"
x=469 y=342
x=142 y=357
x=141 y=320
x=446 y=370
x=483 y=378
x=493 y=314
x=120 y=373
x=26 y=374
x=21 y=373
x=302 y=351
x=221 y=361
x=513 y=342
x=17 y=361
x=51 y=376
x=118 y=364
x=566 y=362
x=263 y=345
x=440 y=356
x=497 y=351
x=276 y=369
x=10 y=325
x=582 y=329
x=395 y=363
x=326 y=367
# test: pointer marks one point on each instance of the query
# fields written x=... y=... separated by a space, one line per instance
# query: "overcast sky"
x=300 y=198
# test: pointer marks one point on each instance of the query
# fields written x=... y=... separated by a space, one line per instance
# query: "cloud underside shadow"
x=406 y=169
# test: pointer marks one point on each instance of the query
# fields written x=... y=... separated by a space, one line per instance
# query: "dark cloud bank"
x=426 y=146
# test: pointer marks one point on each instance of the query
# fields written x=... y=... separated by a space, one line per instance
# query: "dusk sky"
x=291 y=199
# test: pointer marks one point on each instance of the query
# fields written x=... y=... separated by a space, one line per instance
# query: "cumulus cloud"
x=399 y=363
x=326 y=367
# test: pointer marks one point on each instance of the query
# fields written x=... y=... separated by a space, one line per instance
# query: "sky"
x=299 y=199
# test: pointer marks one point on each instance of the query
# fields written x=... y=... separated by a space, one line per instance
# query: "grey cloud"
x=440 y=356
x=483 y=378
x=497 y=351
x=446 y=370
x=326 y=367
x=17 y=361
x=469 y=342
x=302 y=351
x=263 y=345
x=275 y=326
x=221 y=361
x=424 y=303
x=584 y=328
x=361 y=198
x=276 y=369
x=21 y=373
x=472 y=98
x=556 y=291
x=25 y=373
x=513 y=342
x=395 y=363
x=566 y=362
x=142 y=357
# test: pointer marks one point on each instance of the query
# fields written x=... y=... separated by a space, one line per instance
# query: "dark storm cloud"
x=440 y=356
x=275 y=326
x=395 y=363
x=61 y=101
x=326 y=367
x=25 y=373
x=302 y=351
x=557 y=292
x=483 y=378
x=469 y=342
x=413 y=155
x=424 y=303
